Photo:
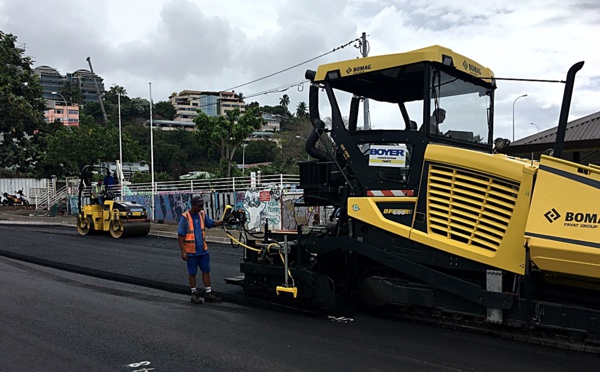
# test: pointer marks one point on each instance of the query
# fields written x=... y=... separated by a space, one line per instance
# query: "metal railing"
x=47 y=197
x=281 y=181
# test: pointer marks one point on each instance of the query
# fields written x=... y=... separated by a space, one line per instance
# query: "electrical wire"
x=294 y=66
x=287 y=86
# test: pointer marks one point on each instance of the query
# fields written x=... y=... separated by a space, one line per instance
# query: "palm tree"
x=301 y=110
x=284 y=101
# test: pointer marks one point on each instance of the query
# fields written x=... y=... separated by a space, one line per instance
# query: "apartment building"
x=188 y=102
x=85 y=81
x=272 y=122
x=68 y=114
x=52 y=81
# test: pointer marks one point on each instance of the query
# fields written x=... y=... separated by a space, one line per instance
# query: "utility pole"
x=98 y=91
x=365 y=53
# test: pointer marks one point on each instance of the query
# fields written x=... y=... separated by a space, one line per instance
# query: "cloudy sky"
x=218 y=45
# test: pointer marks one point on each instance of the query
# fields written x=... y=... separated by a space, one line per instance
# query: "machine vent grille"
x=469 y=207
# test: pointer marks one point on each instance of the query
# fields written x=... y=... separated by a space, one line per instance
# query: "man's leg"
x=193 y=281
x=206 y=280
x=192 y=265
x=205 y=267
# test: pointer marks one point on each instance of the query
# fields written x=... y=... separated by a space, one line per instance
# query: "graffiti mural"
x=273 y=206
x=255 y=210
x=170 y=206
x=289 y=217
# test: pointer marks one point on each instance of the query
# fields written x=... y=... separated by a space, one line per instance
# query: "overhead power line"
x=296 y=65
x=286 y=86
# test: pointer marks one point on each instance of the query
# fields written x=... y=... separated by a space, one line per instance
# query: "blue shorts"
x=198 y=261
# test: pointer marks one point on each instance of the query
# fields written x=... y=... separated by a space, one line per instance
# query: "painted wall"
x=273 y=206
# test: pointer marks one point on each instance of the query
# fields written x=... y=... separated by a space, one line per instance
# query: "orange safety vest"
x=189 y=242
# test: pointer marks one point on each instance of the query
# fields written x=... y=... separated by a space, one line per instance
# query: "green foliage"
x=276 y=110
x=21 y=105
x=260 y=151
x=113 y=93
x=93 y=110
x=139 y=177
x=302 y=110
x=165 y=110
x=69 y=149
x=226 y=133
x=71 y=92
x=284 y=101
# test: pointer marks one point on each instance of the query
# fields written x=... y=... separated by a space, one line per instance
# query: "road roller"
x=102 y=210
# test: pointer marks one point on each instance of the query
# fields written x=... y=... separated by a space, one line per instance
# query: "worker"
x=109 y=184
x=437 y=118
x=194 y=250
x=98 y=192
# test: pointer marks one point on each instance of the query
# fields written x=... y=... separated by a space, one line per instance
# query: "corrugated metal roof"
x=582 y=141
x=583 y=129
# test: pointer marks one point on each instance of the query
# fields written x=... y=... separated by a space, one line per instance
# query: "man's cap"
x=196 y=200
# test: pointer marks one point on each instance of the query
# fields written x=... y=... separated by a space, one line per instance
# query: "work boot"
x=196 y=298
x=210 y=297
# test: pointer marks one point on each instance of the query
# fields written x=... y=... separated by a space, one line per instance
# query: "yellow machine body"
x=120 y=218
x=435 y=53
x=563 y=227
x=480 y=207
x=477 y=206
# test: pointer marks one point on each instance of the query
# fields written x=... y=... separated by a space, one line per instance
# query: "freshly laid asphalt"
x=153 y=261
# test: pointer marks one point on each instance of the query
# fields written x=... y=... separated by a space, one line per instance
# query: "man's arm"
x=210 y=223
x=181 y=239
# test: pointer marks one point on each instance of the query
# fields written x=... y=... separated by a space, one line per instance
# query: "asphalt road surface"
x=52 y=319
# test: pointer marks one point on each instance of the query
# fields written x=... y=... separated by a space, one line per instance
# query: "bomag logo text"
x=583 y=220
x=361 y=69
x=474 y=69
x=582 y=217
x=386 y=152
x=397 y=212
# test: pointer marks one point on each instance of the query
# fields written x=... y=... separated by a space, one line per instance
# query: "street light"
x=244 y=157
x=66 y=108
x=524 y=95
x=538 y=128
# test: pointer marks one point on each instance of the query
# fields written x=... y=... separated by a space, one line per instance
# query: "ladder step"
x=292 y=290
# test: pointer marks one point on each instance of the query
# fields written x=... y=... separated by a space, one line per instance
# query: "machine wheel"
x=5 y=202
x=25 y=203
x=84 y=225
x=116 y=228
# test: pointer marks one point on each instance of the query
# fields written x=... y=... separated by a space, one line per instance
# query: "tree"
x=166 y=110
x=71 y=92
x=301 y=110
x=292 y=142
x=284 y=101
x=113 y=93
x=140 y=107
x=21 y=105
x=69 y=149
x=226 y=133
x=260 y=151
x=139 y=177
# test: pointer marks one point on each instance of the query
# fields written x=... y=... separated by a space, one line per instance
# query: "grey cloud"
x=185 y=43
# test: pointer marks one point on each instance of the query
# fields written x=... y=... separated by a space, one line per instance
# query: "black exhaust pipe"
x=353 y=119
x=564 y=110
